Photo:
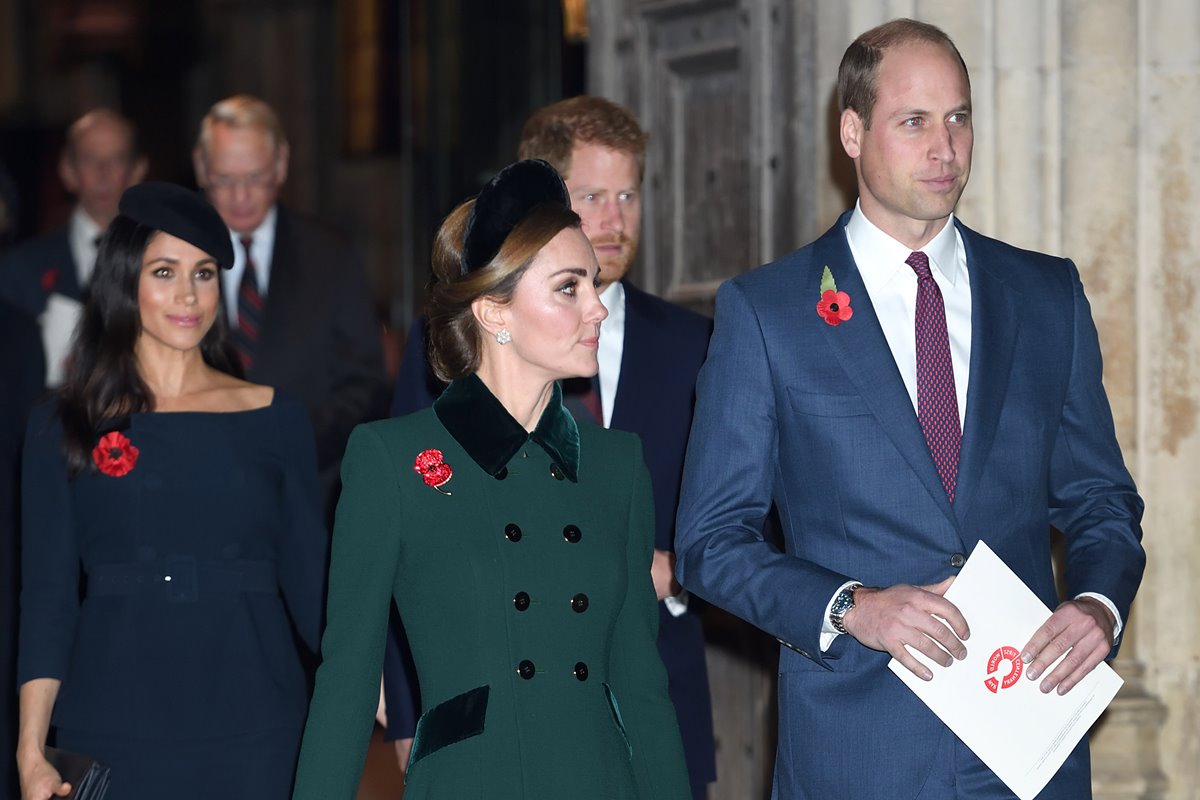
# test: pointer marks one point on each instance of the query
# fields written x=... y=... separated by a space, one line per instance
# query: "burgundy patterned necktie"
x=937 y=400
x=249 y=310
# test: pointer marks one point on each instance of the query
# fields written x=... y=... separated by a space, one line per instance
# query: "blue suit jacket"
x=664 y=348
x=816 y=419
x=33 y=270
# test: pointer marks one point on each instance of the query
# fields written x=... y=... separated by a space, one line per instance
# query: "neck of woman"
x=523 y=396
x=171 y=374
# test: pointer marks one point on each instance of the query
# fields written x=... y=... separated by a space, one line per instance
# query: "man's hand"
x=662 y=572
x=1083 y=629
x=888 y=619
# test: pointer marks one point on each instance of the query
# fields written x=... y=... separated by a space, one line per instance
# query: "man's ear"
x=281 y=163
x=138 y=173
x=67 y=174
x=490 y=314
x=850 y=130
x=199 y=167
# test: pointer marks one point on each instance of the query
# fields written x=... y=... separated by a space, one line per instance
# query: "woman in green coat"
x=516 y=544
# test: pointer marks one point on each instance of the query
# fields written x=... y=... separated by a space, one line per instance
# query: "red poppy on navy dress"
x=115 y=455
x=50 y=279
x=433 y=469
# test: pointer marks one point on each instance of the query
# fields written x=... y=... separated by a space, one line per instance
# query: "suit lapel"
x=994 y=324
x=864 y=354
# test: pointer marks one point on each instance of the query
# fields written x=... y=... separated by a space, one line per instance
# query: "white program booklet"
x=1024 y=736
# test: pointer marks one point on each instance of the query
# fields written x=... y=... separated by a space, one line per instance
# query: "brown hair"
x=454 y=335
x=859 y=71
x=241 y=111
x=554 y=130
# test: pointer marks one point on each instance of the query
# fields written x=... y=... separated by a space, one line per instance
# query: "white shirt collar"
x=881 y=257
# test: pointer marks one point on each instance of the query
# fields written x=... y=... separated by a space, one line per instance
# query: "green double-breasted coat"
x=524 y=586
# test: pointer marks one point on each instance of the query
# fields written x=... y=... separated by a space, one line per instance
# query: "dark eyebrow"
x=210 y=261
x=580 y=271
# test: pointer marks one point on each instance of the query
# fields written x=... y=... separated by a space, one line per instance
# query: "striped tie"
x=937 y=400
x=249 y=310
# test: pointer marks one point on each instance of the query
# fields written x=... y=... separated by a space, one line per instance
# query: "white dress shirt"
x=62 y=313
x=262 y=247
x=612 y=348
x=892 y=287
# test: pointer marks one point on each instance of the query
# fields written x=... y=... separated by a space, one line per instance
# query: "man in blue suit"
x=945 y=388
x=650 y=353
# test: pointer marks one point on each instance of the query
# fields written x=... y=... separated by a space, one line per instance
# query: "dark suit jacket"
x=33 y=270
x=816 y=419
x=320 y=340
x=664 y=348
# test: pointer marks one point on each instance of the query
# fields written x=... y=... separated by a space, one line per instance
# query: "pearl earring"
x=503 y=336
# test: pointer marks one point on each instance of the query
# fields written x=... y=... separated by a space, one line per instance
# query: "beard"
x=614 y=267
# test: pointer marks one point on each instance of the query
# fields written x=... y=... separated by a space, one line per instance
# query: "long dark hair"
x=103 y=384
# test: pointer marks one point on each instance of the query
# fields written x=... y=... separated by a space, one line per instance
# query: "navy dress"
x=203 y=571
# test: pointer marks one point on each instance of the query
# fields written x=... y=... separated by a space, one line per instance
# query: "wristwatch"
x=841 y=604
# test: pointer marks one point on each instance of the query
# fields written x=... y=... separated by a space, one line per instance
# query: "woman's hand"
x=40 y=780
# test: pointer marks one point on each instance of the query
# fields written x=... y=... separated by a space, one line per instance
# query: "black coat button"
x=572 y=534
x=521 y=601
x=556 y=472
x=512 y=532
x=502 y=474
x=579 y=603
x=957 y=560
x=581 y=671
x=525 y=669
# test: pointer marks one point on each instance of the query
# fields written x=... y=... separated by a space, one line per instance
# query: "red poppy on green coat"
x=433 y=469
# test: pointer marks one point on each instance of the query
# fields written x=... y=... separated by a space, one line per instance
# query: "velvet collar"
x=490 y=435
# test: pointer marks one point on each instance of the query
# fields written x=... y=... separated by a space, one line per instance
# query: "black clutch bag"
x=87 y=776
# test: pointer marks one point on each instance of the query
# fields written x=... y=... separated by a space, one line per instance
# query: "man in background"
x=46 y=277
x=297 y=297
x=650 y=353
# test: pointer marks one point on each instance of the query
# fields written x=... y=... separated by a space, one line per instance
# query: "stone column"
x=1168 y=370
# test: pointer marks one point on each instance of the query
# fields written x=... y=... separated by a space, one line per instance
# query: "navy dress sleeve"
x=303 y=558
x=50 y=553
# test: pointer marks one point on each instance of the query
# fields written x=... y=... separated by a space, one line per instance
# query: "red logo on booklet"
x=1011 y=655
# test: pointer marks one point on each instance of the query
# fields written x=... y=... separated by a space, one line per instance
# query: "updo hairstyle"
x=455 y=338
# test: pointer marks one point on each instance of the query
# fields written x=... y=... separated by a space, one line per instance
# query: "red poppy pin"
x=115 y=455
x=50 y=279
x=834 y=306
x=433 y=470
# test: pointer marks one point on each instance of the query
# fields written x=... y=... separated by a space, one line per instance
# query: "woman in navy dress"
x=187 y=500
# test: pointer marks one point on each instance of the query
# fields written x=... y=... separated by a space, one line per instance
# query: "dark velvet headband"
x=185 y=214
x=504 y=202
